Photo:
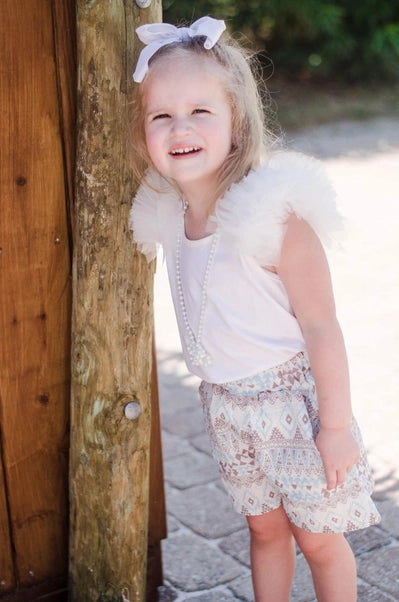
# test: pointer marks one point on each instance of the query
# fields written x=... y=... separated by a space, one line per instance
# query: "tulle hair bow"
x=157 y=35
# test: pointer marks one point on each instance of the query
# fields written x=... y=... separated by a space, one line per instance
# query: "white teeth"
x=183 y=151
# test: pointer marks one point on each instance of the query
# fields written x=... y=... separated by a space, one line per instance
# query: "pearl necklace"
x=196 y=351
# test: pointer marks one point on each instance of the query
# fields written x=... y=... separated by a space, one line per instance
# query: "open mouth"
x=190 y=150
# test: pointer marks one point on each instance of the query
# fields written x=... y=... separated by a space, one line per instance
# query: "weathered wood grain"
x=35 y=293
x=7 y=578
x=112 y=322
x=157 y=529
x=64 y=19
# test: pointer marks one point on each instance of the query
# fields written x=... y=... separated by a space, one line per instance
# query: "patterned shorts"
x=262 y=431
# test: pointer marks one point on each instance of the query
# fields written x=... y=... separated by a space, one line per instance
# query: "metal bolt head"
x=143 y=3
x=132 y=410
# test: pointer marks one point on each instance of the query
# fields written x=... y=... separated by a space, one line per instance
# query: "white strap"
x=157 y=35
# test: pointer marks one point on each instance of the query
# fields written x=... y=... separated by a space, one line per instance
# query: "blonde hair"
x=247 y=93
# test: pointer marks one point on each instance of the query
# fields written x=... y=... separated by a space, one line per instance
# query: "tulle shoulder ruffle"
x=253 y=212
x=155 y=204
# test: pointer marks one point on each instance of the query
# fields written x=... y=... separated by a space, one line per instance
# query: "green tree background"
x=352 y=41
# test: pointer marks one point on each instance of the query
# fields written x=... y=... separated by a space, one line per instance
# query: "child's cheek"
x=154 y=148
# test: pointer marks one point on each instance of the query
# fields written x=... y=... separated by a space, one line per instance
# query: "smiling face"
x=188 y=122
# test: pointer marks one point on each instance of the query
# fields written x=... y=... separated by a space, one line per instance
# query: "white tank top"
x=248 y=323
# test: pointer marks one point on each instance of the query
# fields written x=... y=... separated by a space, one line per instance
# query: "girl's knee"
x=319 y=546
x=271 y=526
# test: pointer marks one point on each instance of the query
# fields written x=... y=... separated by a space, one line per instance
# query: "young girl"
x=241 y=227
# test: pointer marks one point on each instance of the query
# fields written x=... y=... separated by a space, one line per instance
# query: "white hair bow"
x=156 y=35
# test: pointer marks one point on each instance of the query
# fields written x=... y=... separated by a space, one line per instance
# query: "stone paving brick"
x=242 y=588
x=205 y=510
x=183 y=398
x=386 y=478
x=371 y=594
x=237 y=546
x=173 y=524
x=173 y=446
x=180 y=399
x=302 y=586
x=381 y=568
x=366 y=540
x=169 y=489
x=389 y=510
x=190 y=564
x=215 y=596
x=194 y=468
x=201 y=442
x=185 y=423
x=166 y=594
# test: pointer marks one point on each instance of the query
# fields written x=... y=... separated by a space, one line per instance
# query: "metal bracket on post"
x=143 y=3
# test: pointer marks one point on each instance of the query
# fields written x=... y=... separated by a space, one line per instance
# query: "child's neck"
x=200 y=204
x=195 y=222
x=199 y=196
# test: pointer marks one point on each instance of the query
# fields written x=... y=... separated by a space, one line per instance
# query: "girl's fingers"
x=332 y=477
x=341 y=476
x=335 y=478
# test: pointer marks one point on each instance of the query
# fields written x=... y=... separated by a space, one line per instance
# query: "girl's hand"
x=339 y=452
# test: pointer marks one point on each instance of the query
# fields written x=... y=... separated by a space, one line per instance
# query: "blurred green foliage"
x=348 y=40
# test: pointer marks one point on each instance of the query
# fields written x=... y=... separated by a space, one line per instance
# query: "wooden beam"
x=111 y=320
x=7 y=576
x=64 y=18
x=157 y=528
x=35 y=295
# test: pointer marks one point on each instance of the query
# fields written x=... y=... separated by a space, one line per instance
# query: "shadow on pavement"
x=347 y=138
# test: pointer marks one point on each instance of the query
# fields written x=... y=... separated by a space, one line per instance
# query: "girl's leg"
x=332 y=563
x=272 y=556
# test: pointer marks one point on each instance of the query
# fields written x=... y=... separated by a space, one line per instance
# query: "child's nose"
x=181 y=125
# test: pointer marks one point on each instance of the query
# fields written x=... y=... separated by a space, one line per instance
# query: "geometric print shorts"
x=262 y=431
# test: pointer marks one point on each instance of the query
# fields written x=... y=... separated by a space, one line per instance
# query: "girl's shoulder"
x=254 y=210
x=156 y=203
x=252 y=213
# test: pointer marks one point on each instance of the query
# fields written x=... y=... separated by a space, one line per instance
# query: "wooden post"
x=111 y=322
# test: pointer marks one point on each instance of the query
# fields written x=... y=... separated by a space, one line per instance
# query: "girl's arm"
x=304 y=271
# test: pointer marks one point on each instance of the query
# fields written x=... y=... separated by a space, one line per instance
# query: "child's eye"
x=199 y=111
x=161 y=116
